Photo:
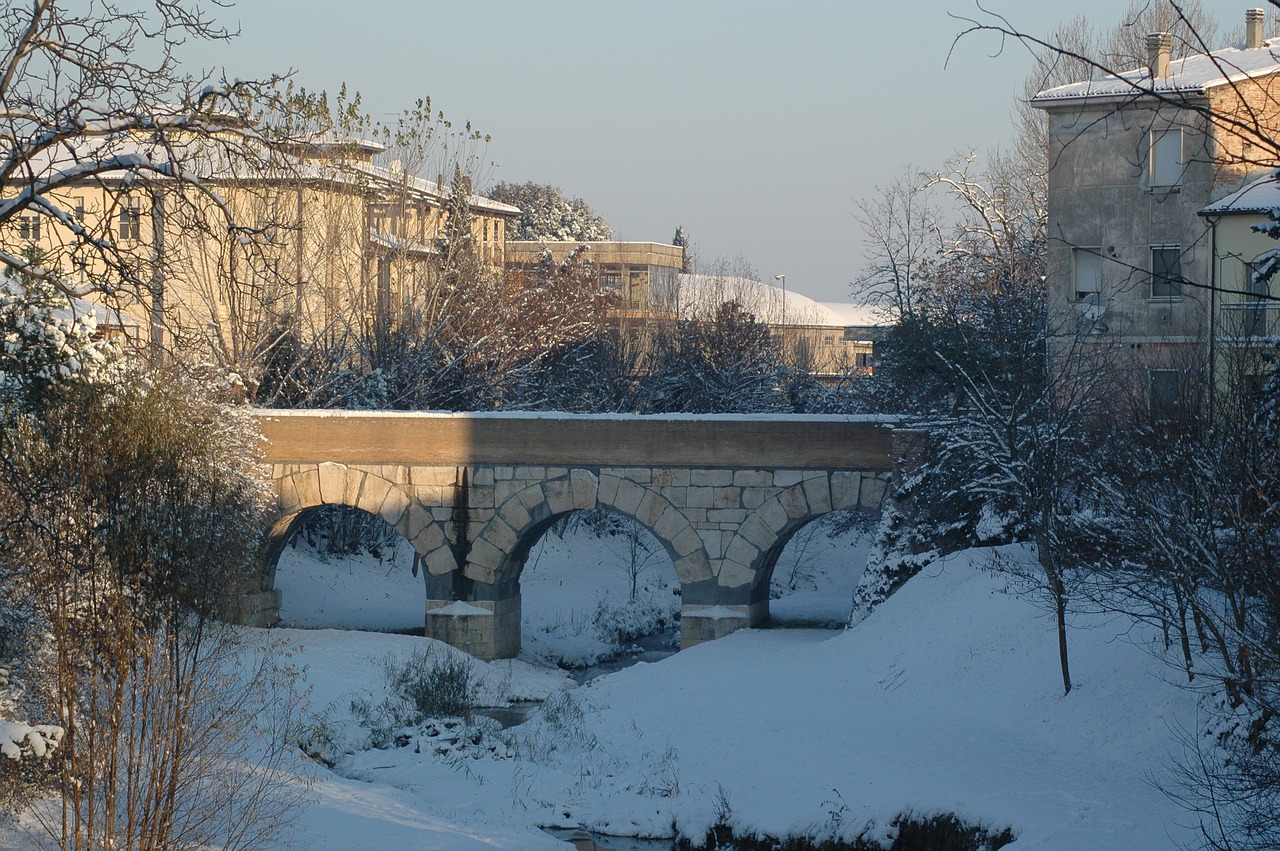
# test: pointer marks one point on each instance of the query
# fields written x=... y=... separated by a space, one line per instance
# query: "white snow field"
x=946 y=699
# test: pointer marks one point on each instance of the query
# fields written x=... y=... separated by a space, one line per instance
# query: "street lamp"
x=783 y=278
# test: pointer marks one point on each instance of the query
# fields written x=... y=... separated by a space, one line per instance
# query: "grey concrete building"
x=1133 y=159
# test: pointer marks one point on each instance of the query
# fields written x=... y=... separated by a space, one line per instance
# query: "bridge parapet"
x=473 y=493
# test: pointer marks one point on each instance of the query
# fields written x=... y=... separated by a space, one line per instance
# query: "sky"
x=757 y=126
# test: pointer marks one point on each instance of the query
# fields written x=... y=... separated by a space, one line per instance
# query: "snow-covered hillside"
x=946 y=699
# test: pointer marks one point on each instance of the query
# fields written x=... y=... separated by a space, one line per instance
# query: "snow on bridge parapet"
x=472 y=493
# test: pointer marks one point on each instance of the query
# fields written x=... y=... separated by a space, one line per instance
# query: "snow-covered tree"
x=546 y=214
x=46 y=338
x=132 y=520
x=723 y=362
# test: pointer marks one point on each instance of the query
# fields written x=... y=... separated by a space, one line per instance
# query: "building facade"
x=1134 y=158
x=312 y=237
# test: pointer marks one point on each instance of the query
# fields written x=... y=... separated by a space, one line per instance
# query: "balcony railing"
x=1248 y=319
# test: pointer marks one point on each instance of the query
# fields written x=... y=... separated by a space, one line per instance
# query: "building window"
x=381 y=219
x=611 y=278
x=1086 y=272
x=130 y=222
x=80 y=209
x=1166 y=271
x=638 y=287
x=29 y=227
x=1165 y=159
x=1165 y=395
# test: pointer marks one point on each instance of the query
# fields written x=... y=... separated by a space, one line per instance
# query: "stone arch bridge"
x=472 y=493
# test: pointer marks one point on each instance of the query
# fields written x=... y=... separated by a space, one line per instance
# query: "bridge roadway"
x=472 y=493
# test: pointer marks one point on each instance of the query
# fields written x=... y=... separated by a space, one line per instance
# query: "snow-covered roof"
x=770 y=303
x=1189 y=76
x=854 y=314
x=395 y=243
x=429 y=188
x=231 y=158
x=1260 y=196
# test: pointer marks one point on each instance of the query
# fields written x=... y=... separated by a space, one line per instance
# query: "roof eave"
x=1119 y=98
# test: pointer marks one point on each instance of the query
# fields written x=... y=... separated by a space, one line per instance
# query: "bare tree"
x=903 y=235
x=95 y=94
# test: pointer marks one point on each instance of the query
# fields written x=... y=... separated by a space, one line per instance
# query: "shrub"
x=907 y=832
x=419 y=687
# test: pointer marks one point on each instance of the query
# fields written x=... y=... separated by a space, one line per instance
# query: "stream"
x=650 y=648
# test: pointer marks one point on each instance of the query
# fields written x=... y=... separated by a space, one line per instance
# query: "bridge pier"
x=480 y=618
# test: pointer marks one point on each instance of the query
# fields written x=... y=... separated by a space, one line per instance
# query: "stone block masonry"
x=473 y=493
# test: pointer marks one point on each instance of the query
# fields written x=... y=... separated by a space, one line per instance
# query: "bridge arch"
x=754 y=548
x=502 y=546
x=378 y=491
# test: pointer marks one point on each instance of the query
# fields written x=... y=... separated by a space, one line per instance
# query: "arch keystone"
x=845 y=488
x=559 y=496
x=585 y=486
x=332 y=480
x=818 y=494
x=287 y=498
x=373 y=493
x=307 y=483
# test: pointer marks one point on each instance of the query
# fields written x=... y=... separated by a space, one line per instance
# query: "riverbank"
x=945 y=700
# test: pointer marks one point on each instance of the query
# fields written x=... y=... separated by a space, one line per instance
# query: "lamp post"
x=783 y=278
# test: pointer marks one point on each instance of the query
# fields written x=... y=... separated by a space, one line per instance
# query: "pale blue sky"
x=755 y=125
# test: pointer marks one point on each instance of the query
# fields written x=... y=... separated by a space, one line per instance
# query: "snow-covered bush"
x=133 y=516
x=425 y=684
x=46 y=339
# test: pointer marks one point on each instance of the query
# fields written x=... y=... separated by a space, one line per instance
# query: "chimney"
x=1253 y=19
x=1159 y=49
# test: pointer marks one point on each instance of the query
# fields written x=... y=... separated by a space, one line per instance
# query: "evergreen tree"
x=681 y=240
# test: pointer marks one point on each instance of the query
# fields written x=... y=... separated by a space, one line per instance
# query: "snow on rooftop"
x=854 y=314
x=1191 y=75
x=1260 y=196
x=770 y=303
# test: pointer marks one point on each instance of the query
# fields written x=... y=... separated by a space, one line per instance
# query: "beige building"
x=652 y=290
x=1244 y=314
x=312 y=237
x=645 y=275
x=1134 y=158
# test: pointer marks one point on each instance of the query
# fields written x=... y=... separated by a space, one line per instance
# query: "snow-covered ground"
x=947 y=698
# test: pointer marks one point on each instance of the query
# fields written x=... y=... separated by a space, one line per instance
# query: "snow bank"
x=947 y=698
